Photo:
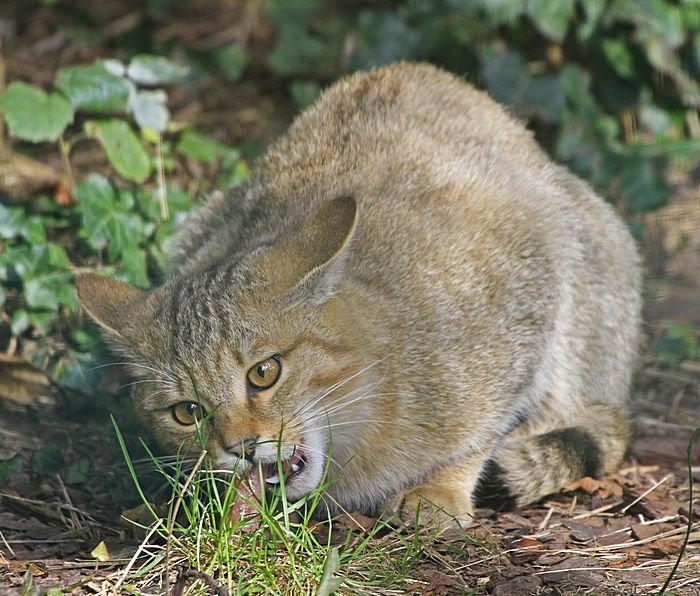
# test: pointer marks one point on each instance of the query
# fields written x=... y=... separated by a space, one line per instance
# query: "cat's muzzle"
x=290 y=468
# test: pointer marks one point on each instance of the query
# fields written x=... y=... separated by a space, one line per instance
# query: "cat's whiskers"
x=303 y=423
x=140 y=381
x=311 y=403
x=322 y=453
x=164 y=372
x=365 y=391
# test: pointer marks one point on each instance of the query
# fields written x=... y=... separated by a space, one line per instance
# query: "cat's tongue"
x=249 y=492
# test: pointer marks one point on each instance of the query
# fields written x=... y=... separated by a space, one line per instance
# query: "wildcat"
x=408 y=291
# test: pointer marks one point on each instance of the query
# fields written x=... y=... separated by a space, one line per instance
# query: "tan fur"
x=439 y=292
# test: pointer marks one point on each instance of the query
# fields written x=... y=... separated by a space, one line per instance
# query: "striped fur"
x=456 y=316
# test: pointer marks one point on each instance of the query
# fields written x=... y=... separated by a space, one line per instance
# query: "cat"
x=408 y=292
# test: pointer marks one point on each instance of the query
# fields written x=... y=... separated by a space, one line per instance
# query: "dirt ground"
x=618 y=535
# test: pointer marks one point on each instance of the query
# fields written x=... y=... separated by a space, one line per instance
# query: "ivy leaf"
x=92 y=87
x=48 y=460
x=35 y=233
x=124 y=150
x=304 y=93
x=594 y=10
x=505 y=76
x=108 y=217
x=149 y=109
x=78 y=472
x=12 y=222
x=384 y=37
x=42 y=322
x=32 y=115
x=297 y=51
x=19 y=322
x=10 y=467
x=202 y=148
x=47 y=283
x=231 y=61
x=133 y=267
x=644 y=183
x=146 y=69
x=619 y=57
x=544 y=96
x=551 y=18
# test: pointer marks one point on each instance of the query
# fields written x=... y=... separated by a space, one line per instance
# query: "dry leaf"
x=100 y=552
x=21 y=381
x=22 y=177
x=354 y=521
x=661 y=548
x=644 y=531
x=604 y=488
x=528 y=543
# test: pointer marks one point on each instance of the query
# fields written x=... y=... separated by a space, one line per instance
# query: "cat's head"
x=248 y=358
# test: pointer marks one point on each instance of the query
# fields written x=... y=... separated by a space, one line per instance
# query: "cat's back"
x=437 y=168
x=404 y=119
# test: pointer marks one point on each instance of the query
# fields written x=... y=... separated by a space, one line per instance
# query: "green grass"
x=285 y=550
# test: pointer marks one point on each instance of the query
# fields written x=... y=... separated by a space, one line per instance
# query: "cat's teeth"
x=295 y=468
x=274 y=479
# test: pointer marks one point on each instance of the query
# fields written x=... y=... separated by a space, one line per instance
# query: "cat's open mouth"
x=290 y=468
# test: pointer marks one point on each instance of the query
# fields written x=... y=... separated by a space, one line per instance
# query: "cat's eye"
x=265 y=373
x=188 y=412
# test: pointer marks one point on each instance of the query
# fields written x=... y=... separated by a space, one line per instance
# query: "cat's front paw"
x=433 y=507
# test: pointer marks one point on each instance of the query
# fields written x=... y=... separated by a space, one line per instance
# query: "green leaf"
x=109 y=220
x=12 y=222
x=146 y=69
x=644 y=183
x=92 y=87
x=544 y=96
x=551 y=17
x=505 y=76
x=42 y=322
x=10 y=467
x=619 y=57
x=297 y=52
x=232 y=173
x=48 y=460
x=134 y=268
x=39 y=294
x=384 y=37
x=329 y=583
x=19 y=322
x=32 y=115
x=124 y=150
x=655 y=119
x=282 y=12
x=149 y=109
x=231 y=61
x=304 y=93
x=78 y=472
x=35 y=232
x=594 y=10
x=47 y=284
x=499 y=12
x=202 y=148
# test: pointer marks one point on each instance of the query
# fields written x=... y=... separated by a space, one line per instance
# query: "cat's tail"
x=529 y=465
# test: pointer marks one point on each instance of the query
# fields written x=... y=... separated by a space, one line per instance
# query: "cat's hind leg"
x=532 y=462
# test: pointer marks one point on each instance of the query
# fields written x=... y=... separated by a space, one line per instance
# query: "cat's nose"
x=243 y=448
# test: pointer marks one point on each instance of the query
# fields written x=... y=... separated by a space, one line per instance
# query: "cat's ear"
x=119 y=308
x=308 y=265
